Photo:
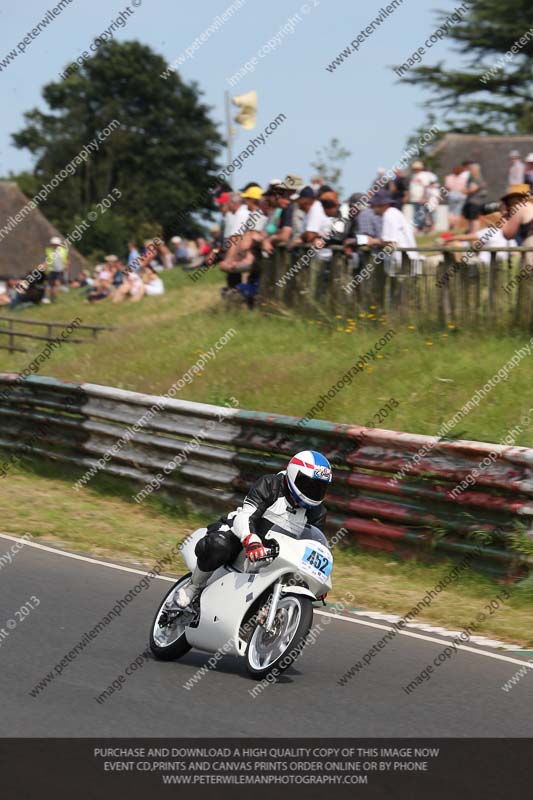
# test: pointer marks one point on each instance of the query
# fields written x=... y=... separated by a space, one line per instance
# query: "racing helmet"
x=308 y=476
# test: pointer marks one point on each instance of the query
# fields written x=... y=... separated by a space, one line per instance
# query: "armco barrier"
x=223 y=450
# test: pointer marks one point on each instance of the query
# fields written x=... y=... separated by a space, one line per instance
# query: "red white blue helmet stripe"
x=303 y=469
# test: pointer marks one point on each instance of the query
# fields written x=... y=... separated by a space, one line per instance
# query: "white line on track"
x=339 y=617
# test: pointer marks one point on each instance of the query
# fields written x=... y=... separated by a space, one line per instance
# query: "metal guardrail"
x=225 y=450
x=11 y=333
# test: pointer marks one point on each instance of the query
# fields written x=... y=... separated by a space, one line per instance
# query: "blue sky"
x=360 y=103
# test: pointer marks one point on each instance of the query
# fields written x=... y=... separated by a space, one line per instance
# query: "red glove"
x=253 y=547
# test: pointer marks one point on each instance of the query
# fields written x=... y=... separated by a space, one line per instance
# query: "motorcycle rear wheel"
x=272 y=653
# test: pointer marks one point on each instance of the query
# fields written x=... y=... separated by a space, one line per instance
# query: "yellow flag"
x=248 y=105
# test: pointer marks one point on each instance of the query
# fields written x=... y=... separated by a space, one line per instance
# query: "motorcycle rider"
x=290 y=498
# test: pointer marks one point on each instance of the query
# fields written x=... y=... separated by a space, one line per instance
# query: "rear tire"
x=176 y=647
x=293 y=626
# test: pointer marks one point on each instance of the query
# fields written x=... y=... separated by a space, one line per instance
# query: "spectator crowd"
x=254 y=220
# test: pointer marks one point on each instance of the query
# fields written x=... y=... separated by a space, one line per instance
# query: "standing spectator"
x=271 y=208
x=418 y=196
x=282 y=198
x=317 y=183
x=222 y=202
x=58 y=264
x=233 y=231
x=239 y=217
x=455 y=185
x=317 y=223
x=256 y=218
x=134 y=256
x=295 y=184
x=399 y=188
x=476 y=191
x=465 y=165
x=433 y=202
x=364 y=220
x=528 y=175
x=489 y=236
x=396 y=231
x=517 y=208
x=517 y=168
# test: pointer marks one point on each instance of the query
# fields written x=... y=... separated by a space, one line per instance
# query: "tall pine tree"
x=493 y=93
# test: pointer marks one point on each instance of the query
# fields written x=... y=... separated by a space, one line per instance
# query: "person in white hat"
x=58 y=264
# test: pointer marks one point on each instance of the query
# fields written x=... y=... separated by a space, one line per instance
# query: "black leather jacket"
x=269 y=501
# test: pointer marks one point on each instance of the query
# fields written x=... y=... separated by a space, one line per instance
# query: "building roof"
x=23 y=240
x=491 y=152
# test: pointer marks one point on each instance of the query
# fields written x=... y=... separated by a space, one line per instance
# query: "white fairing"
x=231 y=591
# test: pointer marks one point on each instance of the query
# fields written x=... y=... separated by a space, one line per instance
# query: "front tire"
x=272 y=653
x=169 y=642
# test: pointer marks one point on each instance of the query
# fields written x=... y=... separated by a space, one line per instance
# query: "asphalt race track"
x=463 y=697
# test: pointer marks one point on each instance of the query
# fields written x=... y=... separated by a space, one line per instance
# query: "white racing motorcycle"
x=263 y=611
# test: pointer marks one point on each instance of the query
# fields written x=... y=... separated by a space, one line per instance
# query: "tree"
x=160 y=157
x=328 y=163
x=492 y=94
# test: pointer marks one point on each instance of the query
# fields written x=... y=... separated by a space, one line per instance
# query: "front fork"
x=273 y=608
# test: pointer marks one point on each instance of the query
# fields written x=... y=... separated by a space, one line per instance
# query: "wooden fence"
x=7 y=328
x=209 y=456
x=445 y=291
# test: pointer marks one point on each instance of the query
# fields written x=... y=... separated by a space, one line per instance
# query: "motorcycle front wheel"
x=272 y=652
x=167 y=634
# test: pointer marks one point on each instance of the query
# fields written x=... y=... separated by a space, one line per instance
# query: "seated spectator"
x=164 y=254
x=133 y=287
x=82 y=281
x=181 y=256
x=152 y=256
x=153 y=285
x=8 y=294
x=134 y=256
x=31 y=289
x=103 y=282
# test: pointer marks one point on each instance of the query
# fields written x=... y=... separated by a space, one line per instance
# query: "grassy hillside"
x=284 y=364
